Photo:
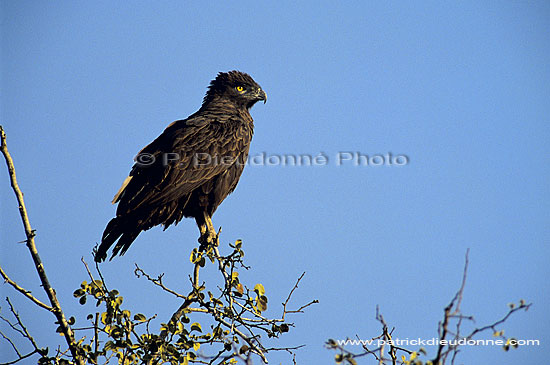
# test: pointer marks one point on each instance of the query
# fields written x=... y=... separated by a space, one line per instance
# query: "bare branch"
x=494 y=325
x=30 y=233
x=301 y=309
x=20 y=358
x=158 y=281
x=290 y=294
x=23 y=291
x=11 y=343
x=445 y=348
x=23 y=328
x=443 y=327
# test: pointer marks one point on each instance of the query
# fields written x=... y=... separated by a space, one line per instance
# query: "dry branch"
x=30 y=234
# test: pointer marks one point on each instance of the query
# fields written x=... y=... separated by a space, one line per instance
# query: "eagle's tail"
x=117 y=229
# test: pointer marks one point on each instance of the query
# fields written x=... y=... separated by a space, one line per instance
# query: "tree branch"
x=443 y=330
x=23 y=291
x=22 y=330
x=30 y=233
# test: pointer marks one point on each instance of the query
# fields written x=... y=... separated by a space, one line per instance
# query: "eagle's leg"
x=203 y=239
x=209 y=225
x=208 y=233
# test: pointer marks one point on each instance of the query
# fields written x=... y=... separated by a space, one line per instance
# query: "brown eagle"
x=190 y=168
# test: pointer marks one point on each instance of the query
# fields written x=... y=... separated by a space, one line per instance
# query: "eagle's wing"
x=186 y=155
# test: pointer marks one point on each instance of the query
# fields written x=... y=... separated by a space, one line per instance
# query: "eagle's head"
x=236 y=86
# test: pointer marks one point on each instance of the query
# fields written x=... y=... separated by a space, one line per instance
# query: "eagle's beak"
x=261 y=95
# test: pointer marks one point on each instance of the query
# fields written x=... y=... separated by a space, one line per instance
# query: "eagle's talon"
x=207 y=239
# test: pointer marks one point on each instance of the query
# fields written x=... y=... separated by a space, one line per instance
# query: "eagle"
x=190 y=168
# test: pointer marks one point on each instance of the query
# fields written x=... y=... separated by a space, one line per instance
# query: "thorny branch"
x=30 y=234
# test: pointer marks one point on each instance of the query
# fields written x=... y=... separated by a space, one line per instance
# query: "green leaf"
x=104 y=318
x=97 y=293
x=98 y=283
x=193 y=257
x=180 y=328
x=259 y=289
x=196 y=326
x=240 y=289
x=110 y=345
x=79 y=292
x=238 y=243
x=71 y=321
x=119 y=301
x=262 y=303
x=140 y=317
x=82 y=300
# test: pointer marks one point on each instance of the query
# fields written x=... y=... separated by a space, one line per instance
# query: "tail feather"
x=124 y=229
x=116 y=228
x=124 y=243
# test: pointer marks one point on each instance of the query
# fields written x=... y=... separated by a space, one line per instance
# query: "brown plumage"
x=190 y=168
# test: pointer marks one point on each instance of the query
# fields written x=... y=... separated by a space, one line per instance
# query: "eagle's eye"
x=240 y=89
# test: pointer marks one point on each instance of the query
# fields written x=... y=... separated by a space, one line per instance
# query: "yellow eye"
x=240 y=88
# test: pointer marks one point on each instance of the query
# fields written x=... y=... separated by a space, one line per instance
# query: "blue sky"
x=462 y=89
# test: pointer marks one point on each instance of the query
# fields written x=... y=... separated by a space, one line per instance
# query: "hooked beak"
x=261 y=95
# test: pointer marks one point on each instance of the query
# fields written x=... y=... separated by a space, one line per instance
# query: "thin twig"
x=499 y=322
x=25 y=292
x=443 y=330
x=20 y=358
x=158 y=281
x=290 y=294
x=23 y=328
x=11 y=343
x=301 y=309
